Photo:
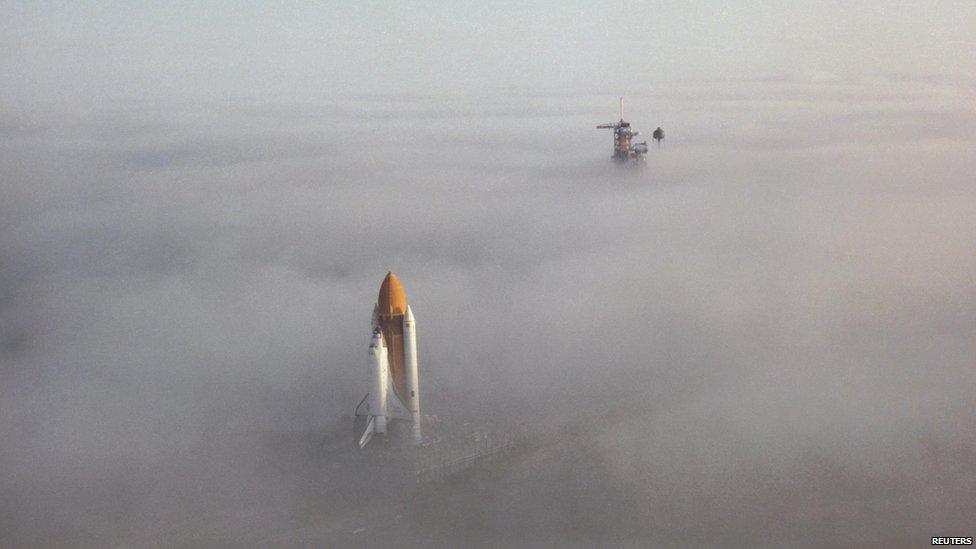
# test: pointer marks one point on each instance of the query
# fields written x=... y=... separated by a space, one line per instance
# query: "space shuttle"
x=392 y=364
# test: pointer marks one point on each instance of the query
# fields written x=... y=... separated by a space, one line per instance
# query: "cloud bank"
x=762 y=337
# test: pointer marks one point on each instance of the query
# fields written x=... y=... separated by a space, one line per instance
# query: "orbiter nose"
x=377 y=339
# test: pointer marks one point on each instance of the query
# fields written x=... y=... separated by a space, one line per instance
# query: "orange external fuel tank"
x=391 y=306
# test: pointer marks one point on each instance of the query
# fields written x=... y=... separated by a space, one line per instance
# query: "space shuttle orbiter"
x=392 y=363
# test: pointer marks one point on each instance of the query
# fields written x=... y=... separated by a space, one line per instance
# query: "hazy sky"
x=72 y=51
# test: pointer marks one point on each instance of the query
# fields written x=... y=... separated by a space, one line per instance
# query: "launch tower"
x=623 y=149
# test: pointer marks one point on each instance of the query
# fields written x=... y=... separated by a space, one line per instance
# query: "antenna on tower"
x=621 y=108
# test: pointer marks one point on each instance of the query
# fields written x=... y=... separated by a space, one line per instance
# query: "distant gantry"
x=623 y=148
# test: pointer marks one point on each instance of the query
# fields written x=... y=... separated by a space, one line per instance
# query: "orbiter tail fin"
x=368 y=433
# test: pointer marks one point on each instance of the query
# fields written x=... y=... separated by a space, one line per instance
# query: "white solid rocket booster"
x=413 y=378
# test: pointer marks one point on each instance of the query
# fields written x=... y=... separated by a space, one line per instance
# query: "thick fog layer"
x=762 y=336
